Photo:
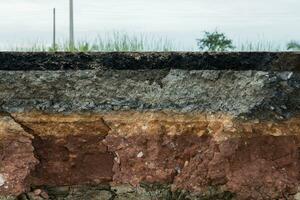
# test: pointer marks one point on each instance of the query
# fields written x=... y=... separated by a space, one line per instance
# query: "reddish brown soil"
x=264 y=167
x=255 y=168
x=73 y=160
x=254 y=160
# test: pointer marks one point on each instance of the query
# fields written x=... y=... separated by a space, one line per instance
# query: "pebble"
x=286 y=75
x=117 y=158
x=141 y=154
x=37 y=192
x=2 y=180
x=186 y=163
x=297 y=196
x=44 y=195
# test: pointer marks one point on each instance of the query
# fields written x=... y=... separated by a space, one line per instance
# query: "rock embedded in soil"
x=170 y=125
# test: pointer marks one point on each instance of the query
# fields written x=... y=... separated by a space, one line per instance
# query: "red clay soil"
x=189 y=153
x=73 y=160
x=255 y=168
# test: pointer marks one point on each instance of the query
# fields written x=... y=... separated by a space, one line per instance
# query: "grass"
x=115 y=41
x=259 y=46
x=120 y=41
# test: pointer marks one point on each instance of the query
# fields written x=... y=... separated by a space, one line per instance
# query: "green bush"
x=215 y=41
x=293 y=45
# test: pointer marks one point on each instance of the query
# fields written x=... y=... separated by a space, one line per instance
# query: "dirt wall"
x=149 y=126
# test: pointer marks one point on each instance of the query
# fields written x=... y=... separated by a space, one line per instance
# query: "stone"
x=37 y=192
x=297 y=196
x=140 y=155
x=286 y=75
x=44 y=195
x=2 y=180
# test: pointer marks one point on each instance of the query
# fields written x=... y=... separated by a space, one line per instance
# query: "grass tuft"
x=115 y=41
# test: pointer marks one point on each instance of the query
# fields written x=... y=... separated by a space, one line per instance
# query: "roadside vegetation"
x=215 y=41
x=293 y=45
x=218 y=41
x=119 y=41
x=115 y=41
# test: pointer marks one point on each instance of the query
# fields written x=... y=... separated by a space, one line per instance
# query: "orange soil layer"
x=126 y=124
x=254 y=159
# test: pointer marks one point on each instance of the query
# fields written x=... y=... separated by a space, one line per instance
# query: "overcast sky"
x=24 y=21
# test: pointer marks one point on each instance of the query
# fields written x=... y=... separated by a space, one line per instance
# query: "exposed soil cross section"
x=149 y=126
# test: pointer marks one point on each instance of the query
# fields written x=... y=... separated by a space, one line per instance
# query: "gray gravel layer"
x=239 y=93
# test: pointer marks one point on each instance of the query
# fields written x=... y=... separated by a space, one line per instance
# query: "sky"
x=28 y=21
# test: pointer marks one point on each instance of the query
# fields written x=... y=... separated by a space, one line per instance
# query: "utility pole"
x=71 y=44
x=54 y=30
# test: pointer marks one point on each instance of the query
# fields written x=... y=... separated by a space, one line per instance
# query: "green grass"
x=115 y=41
x=259 y=46
x=122 y=41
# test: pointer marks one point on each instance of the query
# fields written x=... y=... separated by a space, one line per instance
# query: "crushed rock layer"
x=248 y=94
x=194 y=152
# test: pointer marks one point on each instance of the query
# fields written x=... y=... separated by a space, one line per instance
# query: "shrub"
x=215 y=41
x=293 y=45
